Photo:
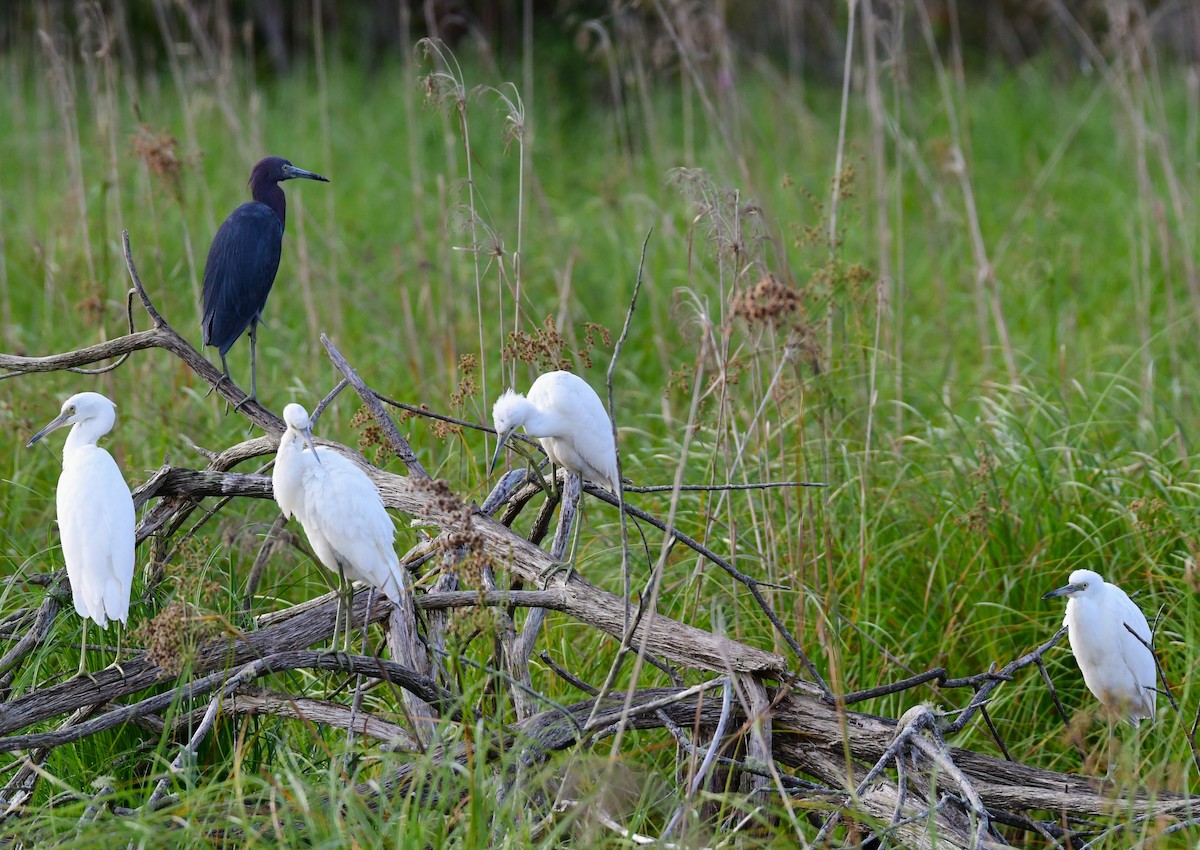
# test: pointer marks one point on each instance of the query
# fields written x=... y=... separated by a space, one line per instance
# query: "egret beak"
x=53 y=425
x=312 y=447
x=499 y=451
x=1063 y=591
x=291 y=172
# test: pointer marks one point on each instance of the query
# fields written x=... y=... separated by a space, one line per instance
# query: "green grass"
x=975 y=492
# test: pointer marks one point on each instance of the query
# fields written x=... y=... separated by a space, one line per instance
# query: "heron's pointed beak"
x=499 y=451
x=53 y=425
x=1062 y=591
x=291 y=172
x=312 y=447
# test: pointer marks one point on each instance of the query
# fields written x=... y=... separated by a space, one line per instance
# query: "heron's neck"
x=84 y=434
x=271 y=194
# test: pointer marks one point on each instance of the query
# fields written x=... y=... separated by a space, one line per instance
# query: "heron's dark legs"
x=253 y=382
x=225 y=376
x=253 y=343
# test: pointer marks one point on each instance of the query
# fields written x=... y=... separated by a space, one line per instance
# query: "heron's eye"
x=71 y=410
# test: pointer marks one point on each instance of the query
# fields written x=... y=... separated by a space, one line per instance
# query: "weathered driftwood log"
x=796 y=738
x=668 y=639
x=834 y=747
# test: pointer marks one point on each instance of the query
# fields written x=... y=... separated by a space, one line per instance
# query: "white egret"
x=340 y=509
x=567 y=417
x=95 y=515
x=1117 y=668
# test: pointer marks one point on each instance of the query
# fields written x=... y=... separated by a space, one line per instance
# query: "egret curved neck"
x=85 y=433
x=291 y=441
x=538 y=422
x=271 y=194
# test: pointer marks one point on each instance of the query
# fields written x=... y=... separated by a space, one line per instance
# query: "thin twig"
x=937 y=673
x=988 y=682
x=120 y=360
x=612 y=423
x=710 y=488
x=395 y=439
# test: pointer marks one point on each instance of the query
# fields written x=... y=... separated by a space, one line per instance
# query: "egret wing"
x=239 y=273
x=1133 y=652
x=344 y=504
x=96 y=522
x=572 y=400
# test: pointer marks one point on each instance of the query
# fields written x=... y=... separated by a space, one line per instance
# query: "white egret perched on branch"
x=341 y=511
x=567 y=417
x=1117 y=667
x=95 y=515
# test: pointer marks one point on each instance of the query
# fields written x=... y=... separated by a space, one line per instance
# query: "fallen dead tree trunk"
x=767 y=718
x=813 y=739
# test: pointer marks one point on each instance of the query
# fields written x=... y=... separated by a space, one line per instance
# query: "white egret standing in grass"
x=95 y=515
x=340 y=509
x=1117 y=667
x=567 y=417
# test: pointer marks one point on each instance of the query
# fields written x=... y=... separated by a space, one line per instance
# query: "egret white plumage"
x=1117 y=668
x=569 y=421
x=341 y=511
x=567 y=417
x=95 y=515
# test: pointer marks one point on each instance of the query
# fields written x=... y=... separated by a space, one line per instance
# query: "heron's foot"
x=554 y=569
x=225 y=378
x=84 y=673
x=116 y=665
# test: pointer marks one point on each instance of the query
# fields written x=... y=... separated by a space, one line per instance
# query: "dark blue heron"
x=243 y=260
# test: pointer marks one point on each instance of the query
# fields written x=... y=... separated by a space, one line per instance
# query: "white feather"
x=339 y=507
x=567 y=417
x=95 y=512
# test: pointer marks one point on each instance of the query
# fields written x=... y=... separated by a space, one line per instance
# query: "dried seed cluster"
x=171 y=637
x=159 y=150
x=769 y=300
x=546 y=348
